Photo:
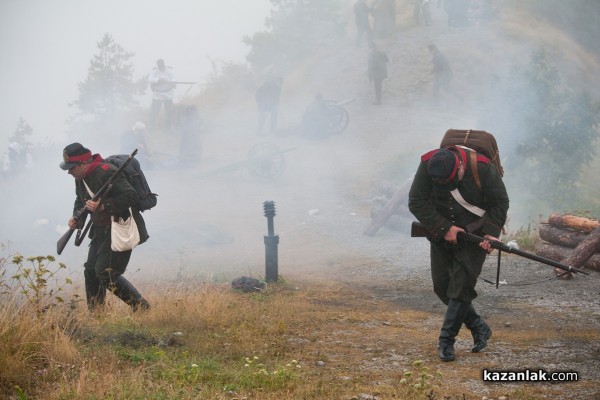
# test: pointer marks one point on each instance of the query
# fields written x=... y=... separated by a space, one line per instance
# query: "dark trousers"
x=103 y=266
x=263 y=113
x=155 y=111
x=378 y=85
x=455 y=269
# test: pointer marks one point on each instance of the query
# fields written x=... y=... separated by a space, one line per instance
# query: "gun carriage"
x=264 y=161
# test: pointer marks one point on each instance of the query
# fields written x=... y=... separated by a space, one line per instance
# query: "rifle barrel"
x=503 y=247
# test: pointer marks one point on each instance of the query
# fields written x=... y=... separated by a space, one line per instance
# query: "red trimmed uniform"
x=456 y=267
x=104 y=267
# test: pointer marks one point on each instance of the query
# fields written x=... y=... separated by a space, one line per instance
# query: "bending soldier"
x=104 y=267
x=443 y=183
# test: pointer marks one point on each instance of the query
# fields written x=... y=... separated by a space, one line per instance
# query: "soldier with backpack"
x=457 y=189
x=104 y=267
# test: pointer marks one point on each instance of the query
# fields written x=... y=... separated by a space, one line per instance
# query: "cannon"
x=264 y=161
x=324 y=118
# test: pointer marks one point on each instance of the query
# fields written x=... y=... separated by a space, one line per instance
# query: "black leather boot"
x=95 y=291
x=124 y=290
x=455 y=315
x=480 y=331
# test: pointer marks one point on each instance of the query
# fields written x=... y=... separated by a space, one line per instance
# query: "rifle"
x=419 y=230
x=83 y=212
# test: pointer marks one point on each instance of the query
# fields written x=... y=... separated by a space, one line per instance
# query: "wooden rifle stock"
x=419 y=230
x=83 y=212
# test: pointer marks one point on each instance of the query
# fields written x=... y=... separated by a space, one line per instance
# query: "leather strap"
x=473 y=156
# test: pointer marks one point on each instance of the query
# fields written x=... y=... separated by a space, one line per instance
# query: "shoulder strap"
x=480 y=212
x=88 y=189
x=473 y=156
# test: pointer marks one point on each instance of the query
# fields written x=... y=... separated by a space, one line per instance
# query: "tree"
x=297 y=29
x=20 y=136
x=550 y=130
x=109 y=87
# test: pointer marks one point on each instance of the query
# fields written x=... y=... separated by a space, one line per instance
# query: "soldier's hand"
x=72 y=223
x=452 y=235
x=486 y=245
x=93 y=205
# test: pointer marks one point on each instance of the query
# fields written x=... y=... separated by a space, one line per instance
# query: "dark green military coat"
x=117 y=202
x=455 y=268
x=438 y=210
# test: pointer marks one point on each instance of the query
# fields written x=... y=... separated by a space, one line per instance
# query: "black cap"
x=73 y=155
x=442 y=168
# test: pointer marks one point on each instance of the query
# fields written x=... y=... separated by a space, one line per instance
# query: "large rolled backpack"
x=481 y=141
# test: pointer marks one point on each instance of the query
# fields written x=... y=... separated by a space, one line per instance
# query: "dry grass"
x=323 y=341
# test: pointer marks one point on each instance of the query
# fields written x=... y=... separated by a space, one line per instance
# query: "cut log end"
x=561 y=274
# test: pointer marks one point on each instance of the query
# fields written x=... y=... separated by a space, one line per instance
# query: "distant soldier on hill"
x=363 y=25
x=267 y=99
x=441 y=72
x=161 y=81
x=377 y=70
x=384 y=16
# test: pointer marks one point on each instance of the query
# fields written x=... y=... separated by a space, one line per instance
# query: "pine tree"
x=20 y=135
x=109 y=87
x=297 y=28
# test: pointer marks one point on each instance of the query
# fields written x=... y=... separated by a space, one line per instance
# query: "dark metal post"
x=271 y=242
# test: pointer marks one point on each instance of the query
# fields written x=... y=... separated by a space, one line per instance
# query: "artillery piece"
x=264 y=161
x=324 y=118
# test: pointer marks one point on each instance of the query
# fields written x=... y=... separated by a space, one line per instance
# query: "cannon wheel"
x=266 y=161
x=337 y=118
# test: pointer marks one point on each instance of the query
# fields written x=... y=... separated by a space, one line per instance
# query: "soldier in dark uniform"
x=441 y=72
x=267 y=98
x=377 y=70
x=456 y=264
x=363 y=25
x=104 y=268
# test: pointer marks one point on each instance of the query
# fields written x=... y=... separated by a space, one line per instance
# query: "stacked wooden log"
x=570 y=240
x=398 y=203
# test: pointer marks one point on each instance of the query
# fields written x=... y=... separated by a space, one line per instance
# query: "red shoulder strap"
x=482 y=158
x=428 y=155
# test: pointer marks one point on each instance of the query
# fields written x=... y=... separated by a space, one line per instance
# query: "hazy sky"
x=46 y=47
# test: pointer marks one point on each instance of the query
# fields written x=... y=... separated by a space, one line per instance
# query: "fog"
x=46 y=48
x=210 y=224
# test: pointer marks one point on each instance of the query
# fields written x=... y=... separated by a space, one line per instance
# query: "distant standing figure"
x=426 y=12
x=363 y=26
x=442 y=72
x=384 y=15
x=135 y=138
x=377 y=70
x=190 y=126
x=161 y=81
x=267 y=99
x=417 y=12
